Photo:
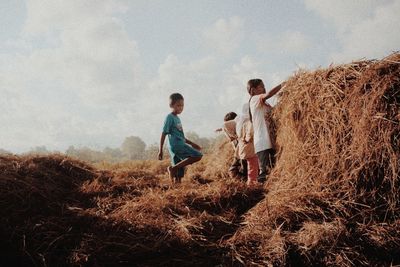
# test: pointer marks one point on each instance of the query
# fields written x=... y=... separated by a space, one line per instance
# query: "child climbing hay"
x=181 y=153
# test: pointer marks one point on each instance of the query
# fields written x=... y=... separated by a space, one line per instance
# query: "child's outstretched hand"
x=160 y=155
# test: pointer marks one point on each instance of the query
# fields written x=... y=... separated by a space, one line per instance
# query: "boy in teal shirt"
x=181 y=153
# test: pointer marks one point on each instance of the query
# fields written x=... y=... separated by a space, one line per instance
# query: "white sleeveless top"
x=262 y=140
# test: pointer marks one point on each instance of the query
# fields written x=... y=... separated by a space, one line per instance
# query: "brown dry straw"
x=56 y=211
x=332 y=198
x=336 y=181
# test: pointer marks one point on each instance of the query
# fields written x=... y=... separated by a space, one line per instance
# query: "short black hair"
x=175 y=98
x=253 y=83
x=230 y=116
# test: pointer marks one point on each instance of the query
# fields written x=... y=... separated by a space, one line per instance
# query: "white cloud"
x=80 y=68
x=74 y=78
x=225 y=35
x=94 y=55
x=199 y=83
x=364 y=28
x=342 y=12
x=45 y=16
x=374 y=37
x=235 y=82
x=289 y=42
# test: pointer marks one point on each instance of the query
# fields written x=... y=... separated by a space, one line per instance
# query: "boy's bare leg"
x=172 y=170
x=184 y=163
x=171 y=173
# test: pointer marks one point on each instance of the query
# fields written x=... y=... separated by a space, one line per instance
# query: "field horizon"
x=332 y=198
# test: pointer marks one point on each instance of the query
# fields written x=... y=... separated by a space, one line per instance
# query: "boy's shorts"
x=180 y=153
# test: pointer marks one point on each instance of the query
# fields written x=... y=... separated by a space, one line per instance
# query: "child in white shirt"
x=262 y=139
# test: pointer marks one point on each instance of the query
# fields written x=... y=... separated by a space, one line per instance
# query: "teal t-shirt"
x=173 y=128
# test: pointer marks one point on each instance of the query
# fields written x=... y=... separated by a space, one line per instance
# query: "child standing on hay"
x=238 y=167
x=181 y=153
x=245 y=149
x=262 y=140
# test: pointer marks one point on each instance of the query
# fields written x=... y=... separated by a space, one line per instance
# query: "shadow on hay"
x=50 y=216
x=45 y=223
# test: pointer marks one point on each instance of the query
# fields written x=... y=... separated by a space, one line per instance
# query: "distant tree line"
x=132 y=148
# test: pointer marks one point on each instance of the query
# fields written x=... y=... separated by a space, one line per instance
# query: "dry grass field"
x=331 y=200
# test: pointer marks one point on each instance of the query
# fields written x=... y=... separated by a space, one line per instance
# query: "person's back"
x=246 y=150
x=238 y=167
x=246 y=141
x=229 y=129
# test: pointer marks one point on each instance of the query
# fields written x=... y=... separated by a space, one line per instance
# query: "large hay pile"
x=332 y=199
x=56 y=211
x=334 y=194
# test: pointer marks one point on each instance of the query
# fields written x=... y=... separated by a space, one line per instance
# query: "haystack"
x=56 y=211
x=332 y=198
x=334 y=193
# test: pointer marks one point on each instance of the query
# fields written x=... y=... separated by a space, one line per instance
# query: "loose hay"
x=56 y=211
x=332 y=198
x=337 y=171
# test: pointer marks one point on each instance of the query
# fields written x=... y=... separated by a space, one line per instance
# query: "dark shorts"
x=179 y=153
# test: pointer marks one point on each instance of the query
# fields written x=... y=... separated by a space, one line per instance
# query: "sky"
x=92 y=72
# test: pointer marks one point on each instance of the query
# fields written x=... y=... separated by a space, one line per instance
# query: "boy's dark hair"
x=253 y=83
x=175 y=98
x=230 y=116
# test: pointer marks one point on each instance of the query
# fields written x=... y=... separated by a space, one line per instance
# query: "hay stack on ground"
x=35 y=193
x=334 y=194
x=333 y=197
x=56 y=211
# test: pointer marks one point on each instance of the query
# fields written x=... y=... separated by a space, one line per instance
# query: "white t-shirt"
x=262 y=140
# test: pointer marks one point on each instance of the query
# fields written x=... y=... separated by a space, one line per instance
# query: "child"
x=229 y=128
x=181 y=153
x=246 y=146
x=238 y=167
x=262 y=140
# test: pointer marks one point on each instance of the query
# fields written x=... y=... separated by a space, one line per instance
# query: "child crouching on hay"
x=245 y=149
x=181 y=153
x=262 y=140
x=238 y=167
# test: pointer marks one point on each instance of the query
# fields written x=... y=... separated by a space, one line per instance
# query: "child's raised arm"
x=162 y=140
x=271 y=93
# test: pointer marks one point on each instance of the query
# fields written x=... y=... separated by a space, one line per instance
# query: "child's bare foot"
x=171 y=173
